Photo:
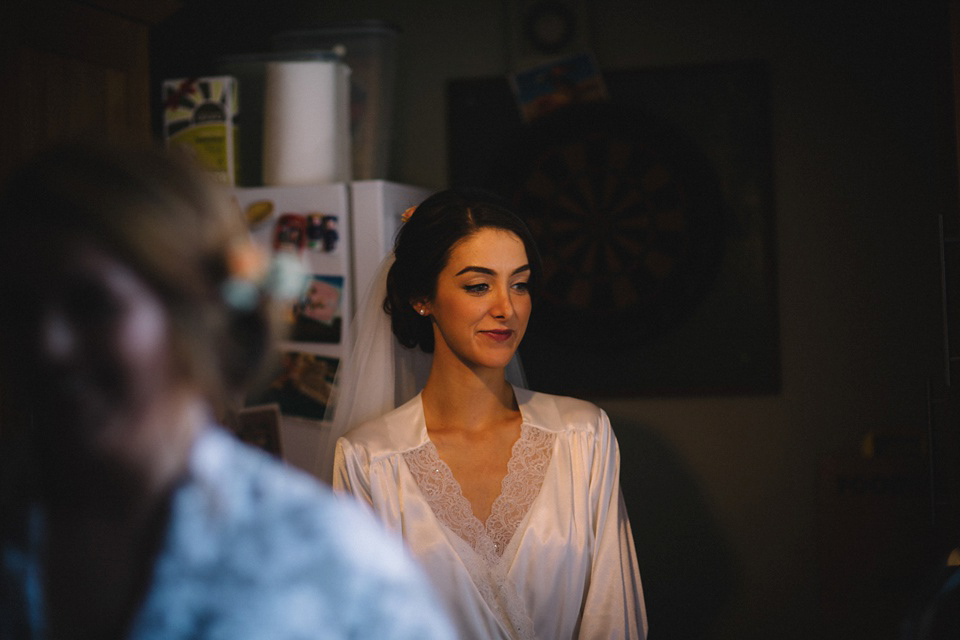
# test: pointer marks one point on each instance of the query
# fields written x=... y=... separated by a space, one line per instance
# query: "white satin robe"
x=569 y=570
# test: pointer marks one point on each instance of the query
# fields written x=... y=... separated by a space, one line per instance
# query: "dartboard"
x=628 y=216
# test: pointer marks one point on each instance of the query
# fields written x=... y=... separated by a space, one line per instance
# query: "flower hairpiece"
x=246 y=261
x=251 y=273
x=407 y=213
x=246 y=270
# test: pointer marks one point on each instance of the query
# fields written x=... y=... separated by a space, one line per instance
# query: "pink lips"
x=499 y=335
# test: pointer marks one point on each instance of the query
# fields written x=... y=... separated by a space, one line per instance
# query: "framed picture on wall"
x=654 y=215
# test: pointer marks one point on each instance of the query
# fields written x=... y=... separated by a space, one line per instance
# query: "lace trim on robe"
x=526 y=469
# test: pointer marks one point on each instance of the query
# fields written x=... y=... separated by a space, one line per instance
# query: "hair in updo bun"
x=422 y=249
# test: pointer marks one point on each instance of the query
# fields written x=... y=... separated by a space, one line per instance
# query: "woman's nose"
x=503 y=304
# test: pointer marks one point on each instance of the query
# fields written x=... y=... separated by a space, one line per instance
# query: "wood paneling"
x=74 y=69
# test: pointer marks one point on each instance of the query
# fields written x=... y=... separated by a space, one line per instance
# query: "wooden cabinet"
x=74 y=68
x=71 y=69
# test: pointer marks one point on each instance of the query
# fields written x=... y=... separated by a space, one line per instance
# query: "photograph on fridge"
x=316 y=316
x=300 y=384
x=259 y=426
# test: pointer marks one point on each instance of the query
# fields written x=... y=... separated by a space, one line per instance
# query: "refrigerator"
x=338 y=233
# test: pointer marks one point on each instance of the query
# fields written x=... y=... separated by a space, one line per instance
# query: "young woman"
x=131 y=309
x=509 y=498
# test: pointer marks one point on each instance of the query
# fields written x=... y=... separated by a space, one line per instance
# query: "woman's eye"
x=523 y=287
x=476 y=288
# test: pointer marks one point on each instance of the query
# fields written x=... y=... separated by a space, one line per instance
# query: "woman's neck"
x=458 y=396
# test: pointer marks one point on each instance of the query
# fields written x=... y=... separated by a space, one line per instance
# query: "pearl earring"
x=423 y=311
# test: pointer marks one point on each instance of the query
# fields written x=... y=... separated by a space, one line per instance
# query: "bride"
x=509 y=498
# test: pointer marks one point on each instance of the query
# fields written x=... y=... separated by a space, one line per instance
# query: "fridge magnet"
x=300 y=384
x=322 y=233
x=290 y=233
x=331 y=236
x=315 y=231
x=316 y=315
x=258 y=212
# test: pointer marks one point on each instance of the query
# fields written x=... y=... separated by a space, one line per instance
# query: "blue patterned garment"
x=254 y=550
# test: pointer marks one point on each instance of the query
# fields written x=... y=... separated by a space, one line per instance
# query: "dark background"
x=799 y=510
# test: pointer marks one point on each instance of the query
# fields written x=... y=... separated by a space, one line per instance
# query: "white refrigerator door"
x=317 y=327
x=367 y=216
x=376 y=209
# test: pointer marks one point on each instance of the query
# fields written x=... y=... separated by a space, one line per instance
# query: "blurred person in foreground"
x=133 y=309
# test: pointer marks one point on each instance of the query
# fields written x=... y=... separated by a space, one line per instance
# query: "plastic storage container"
x=250 y=70
x=369 y=49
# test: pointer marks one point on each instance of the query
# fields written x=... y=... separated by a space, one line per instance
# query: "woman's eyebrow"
x=491 y=272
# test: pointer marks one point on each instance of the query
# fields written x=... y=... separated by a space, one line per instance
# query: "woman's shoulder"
x=559 y=413
x=396 y=431
x=238 y=492
x=310 y=546
x=243 y=480
x=242 y=493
